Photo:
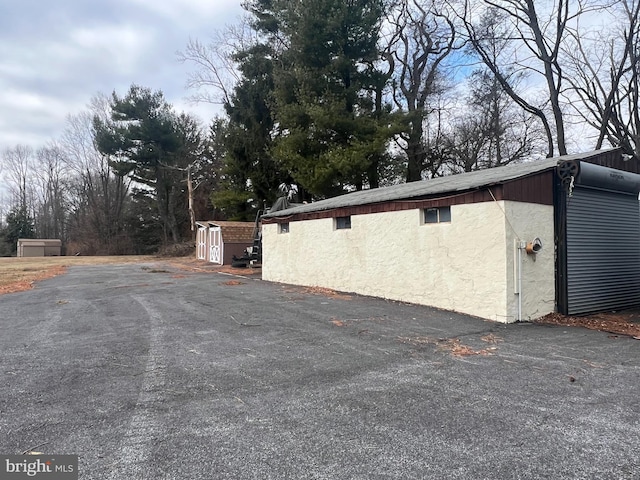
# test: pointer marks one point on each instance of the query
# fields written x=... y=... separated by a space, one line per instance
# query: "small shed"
x=507 y=244
x=218 y=242
x=39 y=247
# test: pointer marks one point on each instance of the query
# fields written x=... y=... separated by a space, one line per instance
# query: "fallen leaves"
x=190 y=264
x=616 y=323
x=452 y=345
x=491 y=338
x=25 y=278
x=327 y=292
x=233 y=283
x=16 y=287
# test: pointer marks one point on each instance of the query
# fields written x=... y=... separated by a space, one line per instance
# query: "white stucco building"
x=494 y=243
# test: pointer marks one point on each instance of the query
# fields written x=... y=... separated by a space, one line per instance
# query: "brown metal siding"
x=534 y=189
x=614 y=159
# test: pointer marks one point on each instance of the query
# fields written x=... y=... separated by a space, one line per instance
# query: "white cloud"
x=57 y=55
x=32 y=116
x=185 y=11
x=114 y=39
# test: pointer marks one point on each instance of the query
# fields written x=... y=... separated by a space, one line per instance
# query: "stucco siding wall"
x=460 y=266
x=528 y=221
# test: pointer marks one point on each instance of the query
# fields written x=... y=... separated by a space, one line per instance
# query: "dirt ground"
x=19 y=274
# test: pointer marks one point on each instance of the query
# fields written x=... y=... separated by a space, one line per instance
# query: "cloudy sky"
x=56 y=54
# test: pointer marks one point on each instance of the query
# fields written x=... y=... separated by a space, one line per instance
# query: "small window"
x=283 y=227
x=444 y=215
x=431 y=215
x=343 y=223
x=437 y=215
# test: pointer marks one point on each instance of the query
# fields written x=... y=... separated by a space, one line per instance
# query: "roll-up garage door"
x=602 y=243
x=603 y=251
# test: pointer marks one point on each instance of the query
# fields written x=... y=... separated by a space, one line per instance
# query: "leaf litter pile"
x=619 y=323
x=454 y=345
x=326 y=292
x=27 y=280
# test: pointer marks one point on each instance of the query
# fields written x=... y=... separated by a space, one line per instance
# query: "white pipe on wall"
x=517 y=273
x=519 y=283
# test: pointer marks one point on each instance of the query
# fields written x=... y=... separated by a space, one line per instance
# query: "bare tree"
x=99 y=197
x=422 y=37
x=605 y=76
x=50 y=182
x=191 y=159
x=215 y=72
x=490 y=129
x=18 y=168
x=534 y=34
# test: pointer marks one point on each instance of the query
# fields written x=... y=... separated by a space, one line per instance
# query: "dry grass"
x=18 y=274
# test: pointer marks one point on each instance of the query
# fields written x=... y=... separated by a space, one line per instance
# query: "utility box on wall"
x=39 y=247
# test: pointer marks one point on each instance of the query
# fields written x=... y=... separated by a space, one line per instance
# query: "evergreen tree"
x=142 y=141
x=249 y=138
x=332 y=127
x=233 y=195
x=19 y=225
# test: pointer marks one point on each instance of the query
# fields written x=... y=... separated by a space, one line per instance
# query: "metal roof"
x=434 y=186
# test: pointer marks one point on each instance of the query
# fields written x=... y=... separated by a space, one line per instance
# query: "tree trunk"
x=192 y=214
x=415 y=154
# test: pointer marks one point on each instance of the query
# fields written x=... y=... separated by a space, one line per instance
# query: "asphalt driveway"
x=147 y=372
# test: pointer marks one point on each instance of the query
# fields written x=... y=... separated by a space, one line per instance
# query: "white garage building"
x=506 y=244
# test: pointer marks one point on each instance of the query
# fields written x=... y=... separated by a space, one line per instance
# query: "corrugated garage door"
x=603 y=250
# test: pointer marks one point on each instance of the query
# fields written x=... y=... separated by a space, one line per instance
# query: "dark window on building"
x=343 y=223
x=437 y=215
x=284 y=227
x=431 y=215
x=444 y=214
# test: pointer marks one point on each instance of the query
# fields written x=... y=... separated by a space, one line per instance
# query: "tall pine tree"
x=332 y=128
x=142 y=142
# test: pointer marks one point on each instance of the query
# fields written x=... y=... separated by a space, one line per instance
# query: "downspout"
x=530 y=248
x=519 y=281
x=518 y=274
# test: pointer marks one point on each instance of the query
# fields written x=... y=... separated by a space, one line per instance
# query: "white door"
x=201 y=244
x=215 y=245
